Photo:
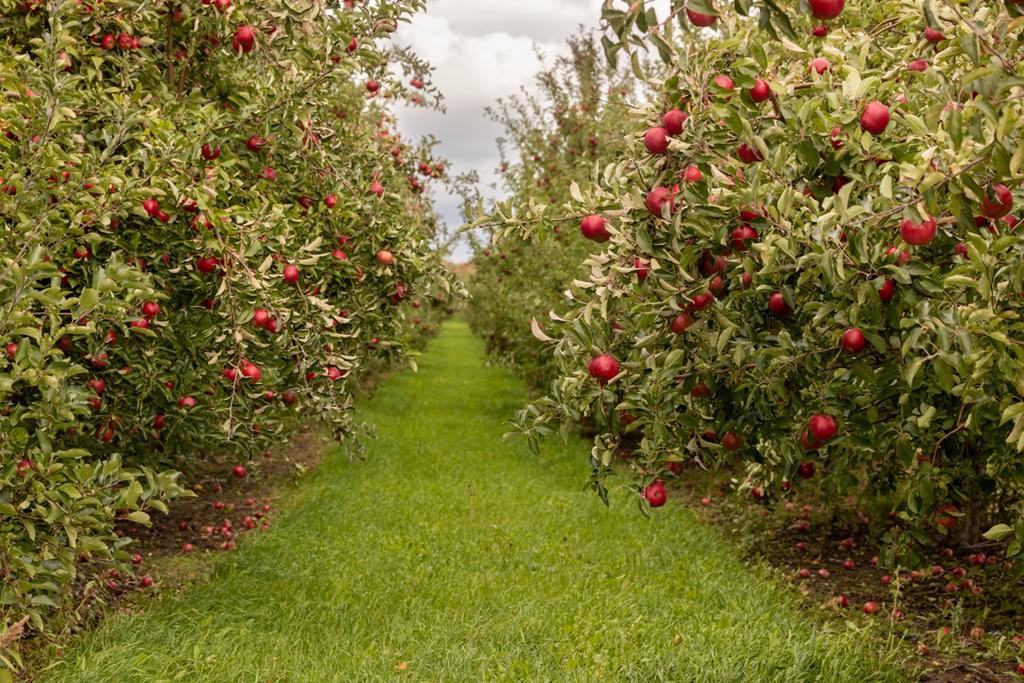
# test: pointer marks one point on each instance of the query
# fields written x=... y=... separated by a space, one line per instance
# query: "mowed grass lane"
x=452 y=555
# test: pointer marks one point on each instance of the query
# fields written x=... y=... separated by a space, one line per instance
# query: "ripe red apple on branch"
x=853 y=341
x=875 y=118
x=917 y=233
x=826 y=9
x=701 y=20
x=603 y=367
x=593 y=228
x=655 y=494
x=656 y=140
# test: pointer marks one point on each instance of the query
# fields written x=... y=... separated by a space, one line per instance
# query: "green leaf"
x=912 y=371
x=139 y=516
x=929 y=16
x=643 y=240
x=1010 y=412
x=955 y=127
x=999 y=532
x=969 y=42
x=89 y=300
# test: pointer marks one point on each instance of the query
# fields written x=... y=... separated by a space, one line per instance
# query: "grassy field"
x=451 y=555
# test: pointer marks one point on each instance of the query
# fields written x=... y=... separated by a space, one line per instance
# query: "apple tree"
x=211 y=234
x=827 y=197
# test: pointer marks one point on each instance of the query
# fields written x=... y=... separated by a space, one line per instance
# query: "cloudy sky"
x=482 y=50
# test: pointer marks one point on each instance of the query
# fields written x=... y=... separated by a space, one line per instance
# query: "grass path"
x=451 y=555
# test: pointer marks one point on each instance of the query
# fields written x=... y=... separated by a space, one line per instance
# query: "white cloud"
x=482 y=50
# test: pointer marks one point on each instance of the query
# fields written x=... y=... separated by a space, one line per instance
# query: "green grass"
x=462 y=557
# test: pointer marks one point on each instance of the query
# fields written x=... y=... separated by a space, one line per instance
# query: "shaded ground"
x=959 y=618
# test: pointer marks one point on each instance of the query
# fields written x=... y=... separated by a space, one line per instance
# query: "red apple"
x=731 y=442
x=593 y=228
x=377 y=189
x=870 y=607
x=836 y=137
x=1000 y=206
x=748 y=154
x=150 y=309
x=655 y=494
x=918 y=65
x=820 y=65
x=853 y=340
x=210 y=153
x=724 y=82
x=254 y=143
x=826 y=9
x=674 y=120
x=24 y=467
x=658 y=197
x=887 y=290
x=244 y=35
x=823 y=427
x=808 y=442
x=740 y=234
x=761 y=90
x=289 y=398
x=806 y=470
x=681 y=323
x=917 y=234
x=692 y=174
x=778 y=306
x=239 y=471
x=943 y=516
x=151 y=207
x=875 y=118
x=251 y=371
x=656 y=140
x=385 y=257
x=933 y=36
x=699 y=19
x=207 y=264
x=11 y=349
x=603 y=367
x=330 y=201
x=186 y=402
x=290 y=274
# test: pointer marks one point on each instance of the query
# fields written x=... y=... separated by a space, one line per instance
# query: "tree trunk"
x=968 y=529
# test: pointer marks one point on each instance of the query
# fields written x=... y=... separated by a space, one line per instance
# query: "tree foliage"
x=797 y=203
